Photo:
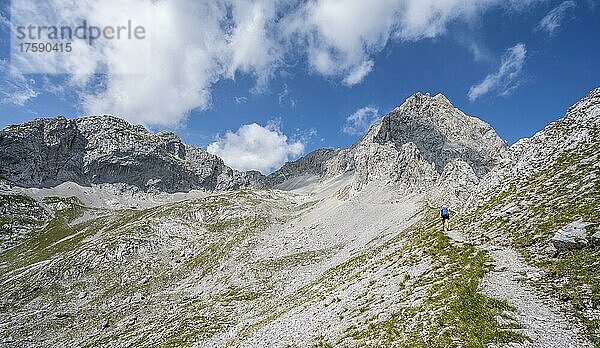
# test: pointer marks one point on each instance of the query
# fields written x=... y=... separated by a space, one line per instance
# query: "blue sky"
x=518 y=65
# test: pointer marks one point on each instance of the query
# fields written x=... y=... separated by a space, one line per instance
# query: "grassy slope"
x=451 y=312
x=454 y=312
x=130 y=265
x=530 y=210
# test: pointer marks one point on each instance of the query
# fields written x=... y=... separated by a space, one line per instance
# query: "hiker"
x=445 y=215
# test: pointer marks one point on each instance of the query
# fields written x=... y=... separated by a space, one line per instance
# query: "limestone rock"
x=106 y=149
x=572 y=236
x=596 y=238
x=578 y=128
x=442 y=133
x=455 y=185
x=384 y=163
x=412 y=147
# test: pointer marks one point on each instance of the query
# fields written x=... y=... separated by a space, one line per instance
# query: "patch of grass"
x=239 y=294
x=548 y=199
x=202 y=322
x=294 y=260
x=321 y=342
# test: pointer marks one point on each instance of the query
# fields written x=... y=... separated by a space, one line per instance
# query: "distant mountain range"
x=420 y=142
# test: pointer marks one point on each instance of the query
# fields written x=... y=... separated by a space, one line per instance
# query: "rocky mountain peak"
x=109 y=122
x=420 y=103
x=106 y=149
x=442 y=133
x=422 y=144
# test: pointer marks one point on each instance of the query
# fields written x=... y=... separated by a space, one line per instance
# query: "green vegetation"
x=321 y=342
x=452 y=311
x=459 y=315
x=542 y=203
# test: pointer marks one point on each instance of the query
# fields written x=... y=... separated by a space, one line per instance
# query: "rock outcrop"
x=19 y=215
x=313 y=164
x=596 y=238
x=106 y=149
x=572 y=236
x=385 y=163
x=442 y=133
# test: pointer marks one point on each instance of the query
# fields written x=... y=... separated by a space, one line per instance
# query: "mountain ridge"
x=419 y=142
x=107 y=149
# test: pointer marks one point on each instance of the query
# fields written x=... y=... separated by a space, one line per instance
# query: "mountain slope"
x=238 y=269
x=354 y=258
x=552 y=180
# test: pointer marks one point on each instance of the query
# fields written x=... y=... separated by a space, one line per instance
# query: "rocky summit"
x=113 y=236
x=418 y=147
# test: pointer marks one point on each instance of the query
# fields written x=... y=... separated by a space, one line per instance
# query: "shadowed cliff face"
x=41 y=153
x=105 y=149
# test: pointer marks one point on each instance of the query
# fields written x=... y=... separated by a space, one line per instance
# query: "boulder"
x=596 y=238
x=570 y=237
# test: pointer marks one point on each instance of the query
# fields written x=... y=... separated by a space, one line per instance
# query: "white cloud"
x=187 y=47
x=342 y=36
x=251 y=47
x=240 y=99
x=17 y=89
x=507 y=77
x=358 y=74
x=191 y=45
x=360 y=121
x=254 y=147
x=553 y=20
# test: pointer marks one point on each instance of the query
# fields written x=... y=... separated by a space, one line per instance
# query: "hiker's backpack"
x=445 y=212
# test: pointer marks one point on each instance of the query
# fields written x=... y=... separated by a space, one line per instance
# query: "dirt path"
x=540 y=316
